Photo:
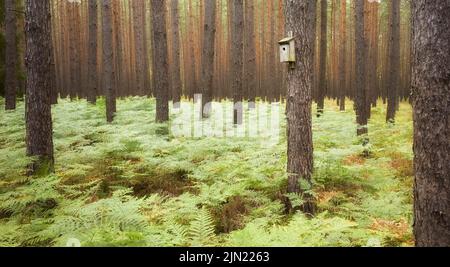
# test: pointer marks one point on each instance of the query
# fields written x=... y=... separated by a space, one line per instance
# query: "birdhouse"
x=287 y=50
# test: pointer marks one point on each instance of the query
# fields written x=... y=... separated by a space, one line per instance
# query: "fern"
x=201 y=229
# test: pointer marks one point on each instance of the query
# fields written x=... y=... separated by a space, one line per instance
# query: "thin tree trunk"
x=342 y=54
x=160 y=57
x=209 y=36
x=108 y=60
x=250 y=53
x=394 y=59
x=237 y=38
x=138 y=14
x=323 y=57
x=92 y=65
x=431 y=102
x=361 y=48
x=175 y=68
x=10 y=55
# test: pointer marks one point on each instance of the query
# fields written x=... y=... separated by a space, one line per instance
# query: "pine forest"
x=225 y=123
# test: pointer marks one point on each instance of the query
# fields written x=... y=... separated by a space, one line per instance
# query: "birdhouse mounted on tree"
x=287 y=50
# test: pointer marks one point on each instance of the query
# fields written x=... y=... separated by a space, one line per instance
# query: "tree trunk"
x=160 y=57
x=92 y=53
x=299 y=15
x=138 y=20
x=39 y=69
x=108 y=60
x=10 y=55
x=237 y=38
x=342 y=54
x=323 y=58
x=175 y=68
x=250 y=54
x=394 y=59
x=431 y=102
x=361 y=48
x=209 y=36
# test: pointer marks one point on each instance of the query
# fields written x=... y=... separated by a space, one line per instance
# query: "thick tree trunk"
x=361 y=52
x=10 y=55
x=237 y=38
x=108 y=60
x=299 y=15
x=92 y=53
x=39 y=131
x=175 y=68
x=323 y=57
x=160 y=57
x=431 y=101
x=209 y=37
x=394 y=60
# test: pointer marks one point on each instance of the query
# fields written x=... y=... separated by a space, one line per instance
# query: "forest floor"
x=135 y=183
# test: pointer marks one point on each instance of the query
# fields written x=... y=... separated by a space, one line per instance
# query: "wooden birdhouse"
x=287 y=50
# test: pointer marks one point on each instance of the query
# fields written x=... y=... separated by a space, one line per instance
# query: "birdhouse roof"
x=286 y=40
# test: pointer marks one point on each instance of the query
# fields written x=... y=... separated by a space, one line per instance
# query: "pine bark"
x=175 y=68
x=209 y=36
x=342 y=54
x=250 y=53
x=39 y=133
x=92 y=53
x=394 y=60
x=431 y=102
x=160 y=57
x=237 y=38
x=323 y=57
x=108 y=60
x=361 y=52
x=138 y=23
x=299 y=15
x=10 y=55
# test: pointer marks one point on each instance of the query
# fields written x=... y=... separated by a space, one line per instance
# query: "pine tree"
x=10 y=55
x=299 y=16
x=108 y=60
x=160 y=57
x=431 y=102
x=39 y=132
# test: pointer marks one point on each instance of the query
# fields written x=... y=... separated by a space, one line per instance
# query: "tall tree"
x=342 y=54
x=10 y=55
x=39 y=132
x=250 y=53
x=431 y=102
x=160 y=57
x=92 y=53
x=175 y=68
x=323 y=57
x=108 y=60
x=394 y=59
x=139 y=32
x=237 y=38
x=209 y=37
x=361 y=48
x=299 y=16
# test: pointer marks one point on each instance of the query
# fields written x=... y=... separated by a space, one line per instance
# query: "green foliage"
x=130 y=183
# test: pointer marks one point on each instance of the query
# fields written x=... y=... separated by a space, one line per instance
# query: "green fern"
x=201 y=230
